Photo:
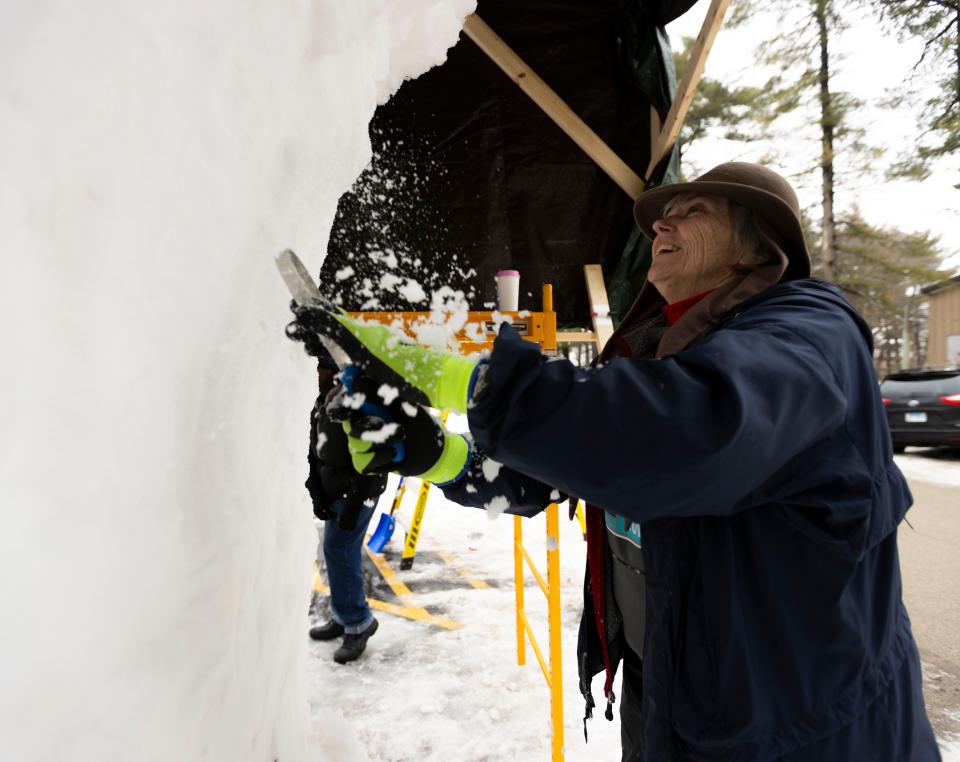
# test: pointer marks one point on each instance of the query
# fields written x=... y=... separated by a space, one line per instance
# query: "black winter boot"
x=354 y=645
x=327 y=631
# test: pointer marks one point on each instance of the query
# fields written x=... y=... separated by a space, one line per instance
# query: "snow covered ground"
x=423 y=692
x=931 y=464
x=950 y=750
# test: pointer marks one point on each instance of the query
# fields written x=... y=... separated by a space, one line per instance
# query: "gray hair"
x=746 y=233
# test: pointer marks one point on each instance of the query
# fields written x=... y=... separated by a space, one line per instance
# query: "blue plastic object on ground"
x=382 y=534
x=384 y=531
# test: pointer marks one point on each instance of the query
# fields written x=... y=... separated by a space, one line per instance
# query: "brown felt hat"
x=755 y=187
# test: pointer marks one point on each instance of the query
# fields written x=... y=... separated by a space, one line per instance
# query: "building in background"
x=943 y=347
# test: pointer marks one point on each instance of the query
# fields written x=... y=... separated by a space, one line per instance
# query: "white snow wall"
x=156 y=539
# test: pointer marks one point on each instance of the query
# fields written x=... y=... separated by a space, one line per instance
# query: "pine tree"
x=937 y=23
x=735 y=113
x=802 y=63
x=882 y=269
x=805 y=60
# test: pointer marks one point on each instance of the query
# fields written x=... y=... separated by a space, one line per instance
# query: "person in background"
x=732 y=447
x=345 y=501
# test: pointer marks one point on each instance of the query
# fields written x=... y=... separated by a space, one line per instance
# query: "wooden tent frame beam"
x=599 y=305
x=567 y=120
x=668 y=134
x=552 y=105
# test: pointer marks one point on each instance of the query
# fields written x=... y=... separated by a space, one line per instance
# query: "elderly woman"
x=742 y=532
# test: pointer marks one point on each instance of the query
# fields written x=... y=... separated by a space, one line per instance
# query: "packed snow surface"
x=425 y=692
x=155 y=156
x=932 y=465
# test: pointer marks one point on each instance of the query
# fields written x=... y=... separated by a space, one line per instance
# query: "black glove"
x=396 y=436
x=297 y=331
x=332 y=476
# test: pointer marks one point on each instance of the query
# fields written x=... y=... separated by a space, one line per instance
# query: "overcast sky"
x=868 y=64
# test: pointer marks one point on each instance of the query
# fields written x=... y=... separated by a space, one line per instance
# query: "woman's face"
x=694 y=249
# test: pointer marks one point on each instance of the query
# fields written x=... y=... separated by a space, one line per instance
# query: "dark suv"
x=923 y=407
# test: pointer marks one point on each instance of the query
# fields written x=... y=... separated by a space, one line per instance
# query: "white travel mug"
x=508 y=290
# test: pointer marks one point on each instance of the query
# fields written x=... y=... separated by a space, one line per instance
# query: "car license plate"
x=915 y=417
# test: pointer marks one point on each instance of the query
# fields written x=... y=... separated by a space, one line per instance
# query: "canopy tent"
x=470 y=175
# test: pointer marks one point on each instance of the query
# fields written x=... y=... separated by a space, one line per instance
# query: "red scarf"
x=677 y=310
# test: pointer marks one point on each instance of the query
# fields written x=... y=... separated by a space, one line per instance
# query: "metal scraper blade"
x=298 y=280
x=304 y=291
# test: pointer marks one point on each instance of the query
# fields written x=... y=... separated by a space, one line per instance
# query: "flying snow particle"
x=552 y=543
x=387 y=393
x=412 y=291
x=353 y=401
x=380 y=435
x=476 y=332
x=496 y=506
x=389 y=258
x=343 y=274
x=389 y=281
x=491 y=469
x=554 y=496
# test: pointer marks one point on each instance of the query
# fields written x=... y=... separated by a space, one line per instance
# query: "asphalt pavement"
x=930 y=561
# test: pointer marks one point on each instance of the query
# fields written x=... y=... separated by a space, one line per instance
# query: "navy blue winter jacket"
x=759 y=463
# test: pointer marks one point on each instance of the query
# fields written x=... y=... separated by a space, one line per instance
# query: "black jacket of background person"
x=758 y=462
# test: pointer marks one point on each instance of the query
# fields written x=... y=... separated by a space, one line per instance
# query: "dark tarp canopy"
x=470 y=176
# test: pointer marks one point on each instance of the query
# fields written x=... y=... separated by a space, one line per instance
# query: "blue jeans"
x=343 y=556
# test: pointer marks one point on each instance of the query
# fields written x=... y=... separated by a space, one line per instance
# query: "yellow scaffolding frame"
x=553 y=673
x=478 y=335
